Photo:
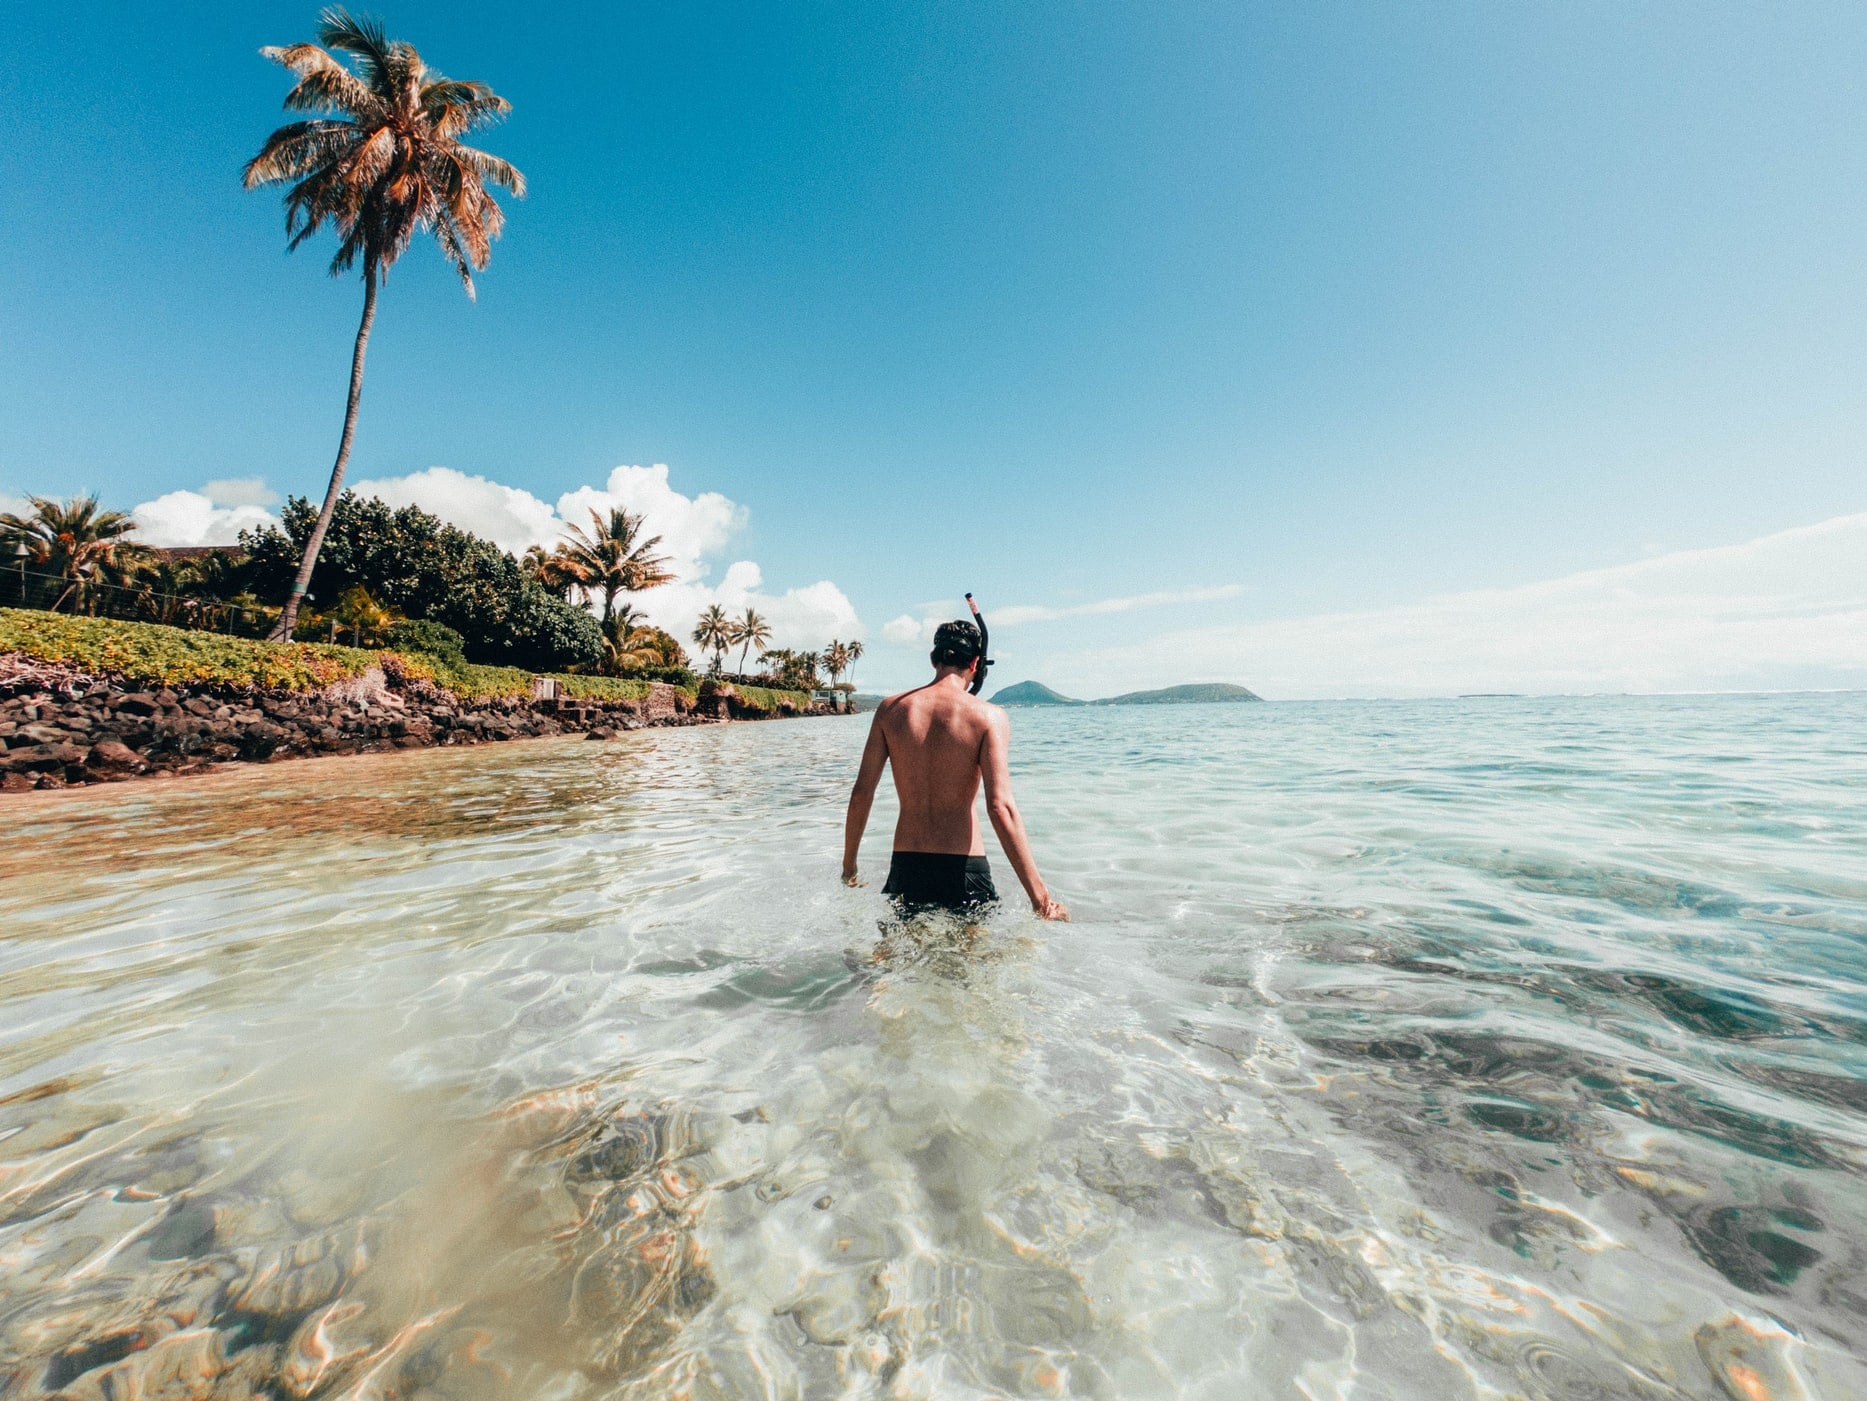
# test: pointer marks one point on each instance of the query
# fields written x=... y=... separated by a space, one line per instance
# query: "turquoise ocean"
x=1489 y=1048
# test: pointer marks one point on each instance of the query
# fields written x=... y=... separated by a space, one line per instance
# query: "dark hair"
x=957 y=644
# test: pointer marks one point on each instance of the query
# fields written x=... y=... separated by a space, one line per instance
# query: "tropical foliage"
x=158 y=655
x=749 y=632
x=381 y=160
x=611 y=558
x=167 y=656
x=416 y=565
x=714 y=633
x=69 y=553
x=791 y=670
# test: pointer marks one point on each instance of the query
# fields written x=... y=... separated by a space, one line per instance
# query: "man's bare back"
x=943 y=743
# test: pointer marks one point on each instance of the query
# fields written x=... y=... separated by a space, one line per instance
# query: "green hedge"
x=156 y=655
x=603 y=688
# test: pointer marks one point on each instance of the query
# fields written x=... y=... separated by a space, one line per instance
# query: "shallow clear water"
x=1443 y=1049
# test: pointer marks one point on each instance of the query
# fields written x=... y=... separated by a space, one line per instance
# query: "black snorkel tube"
x=977 y=683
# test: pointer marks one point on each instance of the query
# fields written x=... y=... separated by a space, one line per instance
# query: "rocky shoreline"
x=61 y=726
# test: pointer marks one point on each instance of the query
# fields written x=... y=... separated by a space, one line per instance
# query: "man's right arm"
x=862 y=796
x=995 y=766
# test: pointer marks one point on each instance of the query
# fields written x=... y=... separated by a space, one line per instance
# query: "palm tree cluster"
x=381 y=160
x=717 y=630
x=840 y=657
x=75 y=556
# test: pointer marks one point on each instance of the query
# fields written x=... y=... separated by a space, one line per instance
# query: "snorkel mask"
x=977 y=684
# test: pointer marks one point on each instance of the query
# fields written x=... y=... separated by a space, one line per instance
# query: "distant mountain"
x=1037 y=693
x=1031 y=693
x=1185 y=695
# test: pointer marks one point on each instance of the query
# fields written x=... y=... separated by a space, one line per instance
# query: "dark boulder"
x=41 y=758
x=109 y=758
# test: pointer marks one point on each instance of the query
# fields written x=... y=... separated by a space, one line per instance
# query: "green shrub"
x=166 y=656
x=435 y=640
x=602 y=688
x=472 y=682
x=417 y=564
x=153 y=654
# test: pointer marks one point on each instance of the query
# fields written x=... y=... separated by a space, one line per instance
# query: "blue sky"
x=1293 y=312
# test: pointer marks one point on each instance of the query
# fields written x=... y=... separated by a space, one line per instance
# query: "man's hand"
x=849 y=876
x=1052 y=910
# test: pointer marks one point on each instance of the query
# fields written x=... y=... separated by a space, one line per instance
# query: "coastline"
x=87 y=701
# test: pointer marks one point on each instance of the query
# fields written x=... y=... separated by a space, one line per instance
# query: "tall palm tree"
x=714 y=633
x=611 y=558
x=76 y=542
x=836 y=660
x=383 y=161
x=852 y=653
x=748 y=632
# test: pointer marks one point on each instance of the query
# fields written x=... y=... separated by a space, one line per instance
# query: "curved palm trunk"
x=288 y=619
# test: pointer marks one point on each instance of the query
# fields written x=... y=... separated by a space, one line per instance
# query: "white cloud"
x=693 y=530
x=194 y=518
x=240 y=491
x=508 y=516
x=803 y=618
x=1782 y=611
x=907 y=628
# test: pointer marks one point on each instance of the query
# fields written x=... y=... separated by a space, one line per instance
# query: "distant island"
x=1036 y=693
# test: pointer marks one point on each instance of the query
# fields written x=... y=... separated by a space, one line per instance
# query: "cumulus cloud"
x=240 y=491
x=693 y=529
x=1786 y=610
x=508 y=516
x=907 y=628
x=199 y=518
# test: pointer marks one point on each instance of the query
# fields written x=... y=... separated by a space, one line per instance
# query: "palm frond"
x=492 y=169
x=362 y=36
x=386 y=165
x=324 y=84
x=297 y=150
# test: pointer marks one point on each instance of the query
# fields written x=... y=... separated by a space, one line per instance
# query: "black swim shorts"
x=920 y=879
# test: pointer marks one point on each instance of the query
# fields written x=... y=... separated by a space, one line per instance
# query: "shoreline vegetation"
x=88 y=700
x=119 y=658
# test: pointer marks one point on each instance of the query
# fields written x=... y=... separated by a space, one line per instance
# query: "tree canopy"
x=421 y=567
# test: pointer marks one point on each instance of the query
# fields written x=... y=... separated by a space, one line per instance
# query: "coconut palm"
x=714 y=633
x=629 y=644
x=382 y=160
x=611 y=558
x=213 y=581
x=358 y=610
x=748 y=632
x=78 y=544
x=835 y=660
x=852 y=653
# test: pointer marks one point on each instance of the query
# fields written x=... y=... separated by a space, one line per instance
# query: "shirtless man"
x=942 y=741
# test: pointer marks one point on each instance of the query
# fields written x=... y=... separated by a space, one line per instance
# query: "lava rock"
x=111 y=757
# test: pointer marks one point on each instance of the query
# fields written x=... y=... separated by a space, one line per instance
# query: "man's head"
x=957 y=644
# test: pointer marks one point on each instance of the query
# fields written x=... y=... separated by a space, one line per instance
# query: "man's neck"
x=948 y=675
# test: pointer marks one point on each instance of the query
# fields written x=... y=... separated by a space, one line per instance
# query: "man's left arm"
x=862 y=796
